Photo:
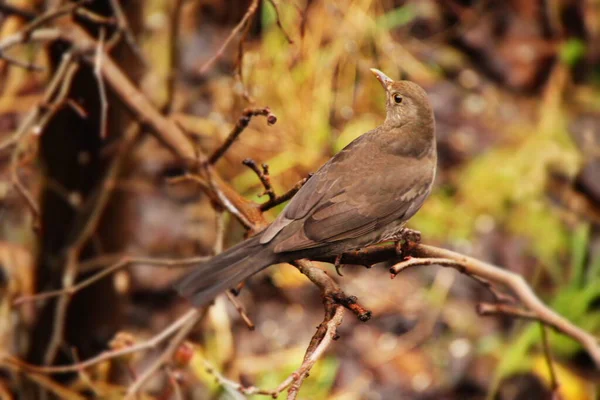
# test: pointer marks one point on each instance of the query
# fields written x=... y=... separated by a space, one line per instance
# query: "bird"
x=361 y=196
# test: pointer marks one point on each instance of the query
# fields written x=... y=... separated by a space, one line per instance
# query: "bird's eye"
x=397 y=98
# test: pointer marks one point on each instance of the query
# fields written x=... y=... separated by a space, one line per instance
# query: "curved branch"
x=511 y=280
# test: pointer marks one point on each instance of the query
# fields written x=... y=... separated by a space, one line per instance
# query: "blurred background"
x=515 y=87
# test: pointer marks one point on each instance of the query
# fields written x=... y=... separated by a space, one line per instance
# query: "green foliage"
x=396 y=18
x=322 y=377
x=572 y=51
x=574 y=300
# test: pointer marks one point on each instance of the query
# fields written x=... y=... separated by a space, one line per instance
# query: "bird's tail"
x=225 y=271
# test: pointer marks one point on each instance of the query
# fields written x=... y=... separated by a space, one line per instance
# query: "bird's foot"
x=338 y=264
x=406 y=241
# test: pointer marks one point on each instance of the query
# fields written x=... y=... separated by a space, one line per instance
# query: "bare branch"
x=511 y=280
x=239 y=127
x=127 y=32
x=151 y=343
x=165 y=357
x=249 y=14
x=284 y=197
x=263 y=176
x=278 y=21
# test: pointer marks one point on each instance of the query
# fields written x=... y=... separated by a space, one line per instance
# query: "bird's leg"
x=338 y=264
x=406 y=240
x=236 y=290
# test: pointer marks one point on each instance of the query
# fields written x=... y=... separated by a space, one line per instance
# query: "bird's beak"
x=385 y=80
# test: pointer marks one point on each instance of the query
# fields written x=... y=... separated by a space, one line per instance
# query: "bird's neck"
x=412 y=139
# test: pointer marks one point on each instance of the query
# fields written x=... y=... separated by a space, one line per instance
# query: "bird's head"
x=406 y=102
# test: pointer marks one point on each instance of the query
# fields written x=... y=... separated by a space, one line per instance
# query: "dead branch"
x=330 y=289
x=149 y=344
x=165 y=357
x=123 y=262
x=516 y=283
x=284 y=197
x=278 y=21
x=175 y=139
x=245 y=19
x=263 y=176
x=325 y=335
x=127 y=32
x=486 y=309
x=174 y=25
x=82 y=235
x=320 y=342
x=101 y=86
x=239 y=127
x=8 y=9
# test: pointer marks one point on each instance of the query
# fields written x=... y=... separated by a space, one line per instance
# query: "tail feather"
x=225 y=270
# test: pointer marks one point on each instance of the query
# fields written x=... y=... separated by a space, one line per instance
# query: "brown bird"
x=362 y=196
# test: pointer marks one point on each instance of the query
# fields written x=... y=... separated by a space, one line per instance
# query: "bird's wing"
x=360 y=209
x=355 y=193
x=322 y=185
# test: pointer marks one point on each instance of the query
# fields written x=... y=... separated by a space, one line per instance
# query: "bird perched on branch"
x=362 y=196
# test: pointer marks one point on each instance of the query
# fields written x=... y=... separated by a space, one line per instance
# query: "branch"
x=284 y=197
x=165 y=357
x=263 y=176
x=511 y=280
x=239 y=127
x=249 y=14
x=278 y=21
x=107 y=355
x=125 y=261
x=127 y=32
x=320 y=342
x=330 y=289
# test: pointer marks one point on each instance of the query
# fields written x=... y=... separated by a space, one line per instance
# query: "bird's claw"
x=406 y=241
x=338 y=264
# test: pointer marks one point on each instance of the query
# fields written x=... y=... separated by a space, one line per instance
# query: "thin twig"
x=174 y=27
x=487 y=309
x=278 y=21
x=412 y=262
x=28 y=66
x=82 y=234
x=239 y=64
x=515 y=282
x=8 y=9
x=62 y=84
x=317 y=347
x=127 y=32
x=39 y=35
x=284 y=197
x=101 y=86
x=164 y=358
x=263 y=176
x=239 y=127
x=249 y=14
x=125 y=261
x=241 y=310
x=109 y=354
x=549 y=361
x=320 y=342
x=50 y=16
